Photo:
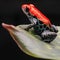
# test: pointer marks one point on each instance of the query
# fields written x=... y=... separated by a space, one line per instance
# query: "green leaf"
x=32 y=45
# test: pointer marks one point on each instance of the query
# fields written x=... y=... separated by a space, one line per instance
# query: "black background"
x=11 y=13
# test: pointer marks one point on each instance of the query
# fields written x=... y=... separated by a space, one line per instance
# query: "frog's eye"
x=27 y=10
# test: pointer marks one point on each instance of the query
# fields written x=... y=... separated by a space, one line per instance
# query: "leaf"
x=32 y=45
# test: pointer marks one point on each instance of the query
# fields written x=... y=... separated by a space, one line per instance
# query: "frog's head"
x=26 y=8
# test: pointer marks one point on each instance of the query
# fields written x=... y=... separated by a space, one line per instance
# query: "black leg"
x=48 y=36
x=29 y=27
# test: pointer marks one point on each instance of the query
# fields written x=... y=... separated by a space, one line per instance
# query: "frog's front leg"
x=29 y=26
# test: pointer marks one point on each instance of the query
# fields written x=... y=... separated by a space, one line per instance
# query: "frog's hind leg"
x=48 y=36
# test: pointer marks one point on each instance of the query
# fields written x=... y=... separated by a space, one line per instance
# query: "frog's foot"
x=54 y=28
x=48 y=36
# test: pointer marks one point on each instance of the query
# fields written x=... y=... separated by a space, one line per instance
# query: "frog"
x=41 y=24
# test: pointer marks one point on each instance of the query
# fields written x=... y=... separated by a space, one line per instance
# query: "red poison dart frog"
x=41 y=24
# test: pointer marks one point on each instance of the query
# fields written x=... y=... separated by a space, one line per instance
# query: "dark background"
x=11 y=13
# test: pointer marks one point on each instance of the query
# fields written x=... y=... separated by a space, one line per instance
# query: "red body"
x=37 y=13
